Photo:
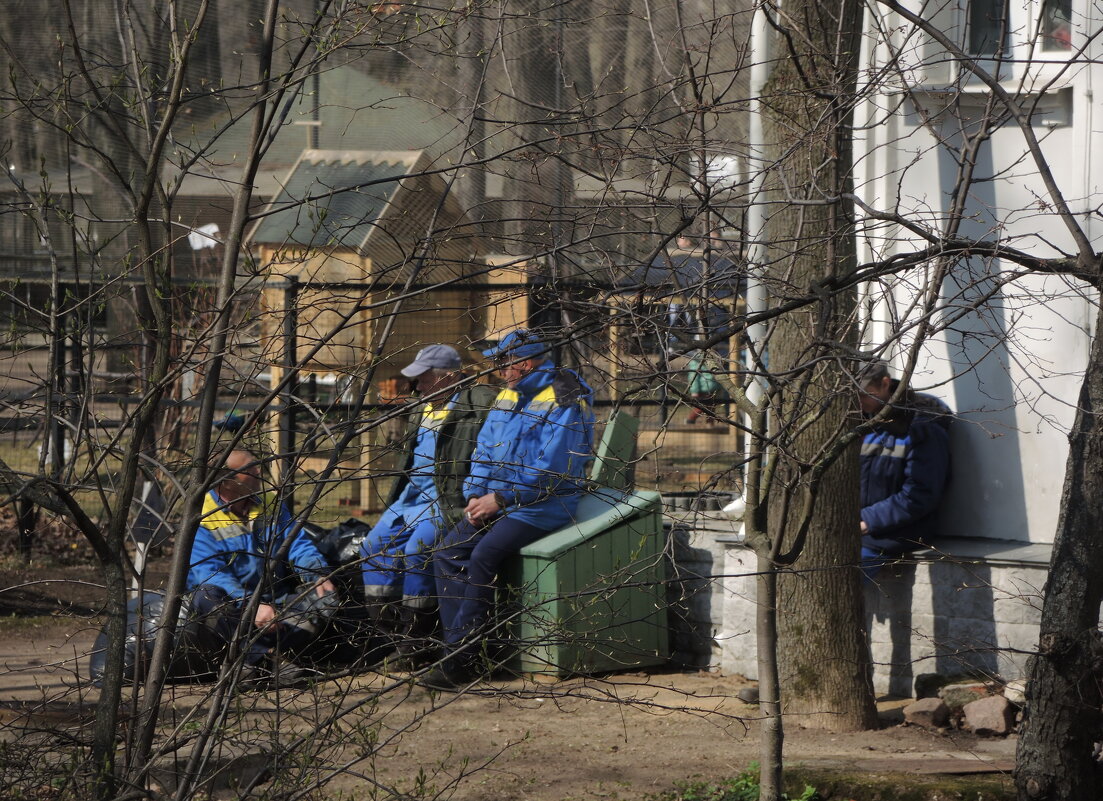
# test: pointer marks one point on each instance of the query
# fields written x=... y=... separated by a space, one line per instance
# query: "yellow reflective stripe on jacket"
x=435 y=414
x=544 y=399
x=507 y=399
x=216 y=515
x=432 y=418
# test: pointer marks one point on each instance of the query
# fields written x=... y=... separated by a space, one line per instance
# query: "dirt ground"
x=616 y=737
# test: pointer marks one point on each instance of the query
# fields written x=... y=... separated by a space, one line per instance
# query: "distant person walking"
x=702 y=387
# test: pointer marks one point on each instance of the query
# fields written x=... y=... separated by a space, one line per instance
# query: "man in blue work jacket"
x=241 y=546
x=427 y=499
x=905 y=468
x=526 y=480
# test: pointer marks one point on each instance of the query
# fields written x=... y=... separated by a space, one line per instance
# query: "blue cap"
x=519 y=344
x=232 y=422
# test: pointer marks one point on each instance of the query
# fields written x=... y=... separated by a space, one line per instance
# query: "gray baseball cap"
x=872 y=370
x=440 y=357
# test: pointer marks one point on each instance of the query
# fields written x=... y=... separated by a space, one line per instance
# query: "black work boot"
x=277 y=672
x=384 y=614
x=386 y=629
x=449 y=679
x=420 y=641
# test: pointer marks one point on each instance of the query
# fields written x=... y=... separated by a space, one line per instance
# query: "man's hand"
x=323 y=586
x=864 y=527
x=481 y=509
x=266 y=616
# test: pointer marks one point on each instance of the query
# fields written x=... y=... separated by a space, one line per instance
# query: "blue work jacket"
x=534 y=447
x=417 y=500
x=905 y=467
x=230 y=551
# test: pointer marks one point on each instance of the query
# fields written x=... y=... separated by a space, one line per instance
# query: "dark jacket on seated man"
x=905 y=468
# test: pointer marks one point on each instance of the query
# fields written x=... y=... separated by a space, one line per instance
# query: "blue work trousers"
x=396 y=559
x=466 y=563
x=874 y=557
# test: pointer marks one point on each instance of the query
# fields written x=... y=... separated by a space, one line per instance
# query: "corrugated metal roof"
x=318 y=206
x=357 y=111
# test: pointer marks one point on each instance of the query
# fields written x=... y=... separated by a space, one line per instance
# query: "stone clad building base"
x=694 y=593
x=967 y=608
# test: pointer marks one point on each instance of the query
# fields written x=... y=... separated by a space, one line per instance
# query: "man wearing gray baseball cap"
x=426 y=500
x=433 y=357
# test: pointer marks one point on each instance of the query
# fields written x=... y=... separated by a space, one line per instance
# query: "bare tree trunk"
x=772 y=736
x=105 y=728
x=148 y=716
x=472 y=70
x=1062 y=720
x=822 y=647
x=539 y=185
x=823 y=654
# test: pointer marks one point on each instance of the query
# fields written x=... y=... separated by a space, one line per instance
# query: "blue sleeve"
x=482 y=460
x=925 y=470
x=303 y=555
x=210 y=564
x=560 y=456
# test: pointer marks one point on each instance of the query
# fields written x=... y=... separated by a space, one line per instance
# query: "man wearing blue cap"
x=526 y=480
x=426 y=500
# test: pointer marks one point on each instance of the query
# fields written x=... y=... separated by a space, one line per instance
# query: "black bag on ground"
x=349 y=635
x=340 y=546
x=190 y=658
x=143 y=616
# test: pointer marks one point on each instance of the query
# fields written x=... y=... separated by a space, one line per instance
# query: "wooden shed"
x=367 y=260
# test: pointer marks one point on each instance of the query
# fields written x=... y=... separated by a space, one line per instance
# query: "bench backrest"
x=614 y=463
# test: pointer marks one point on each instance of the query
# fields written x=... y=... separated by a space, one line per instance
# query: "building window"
x=1056 y=25
x=987 y=27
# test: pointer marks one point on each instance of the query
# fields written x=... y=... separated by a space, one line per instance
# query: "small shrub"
x=743 y=787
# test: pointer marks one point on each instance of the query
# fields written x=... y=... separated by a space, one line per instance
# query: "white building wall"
x=1012 y=372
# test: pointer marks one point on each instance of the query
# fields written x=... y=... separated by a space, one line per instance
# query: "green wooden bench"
x=591 y=597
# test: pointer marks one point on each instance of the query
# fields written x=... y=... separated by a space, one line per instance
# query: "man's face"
x=513 y=370
x=874 y=395
x=433 y=381
x=243 y=483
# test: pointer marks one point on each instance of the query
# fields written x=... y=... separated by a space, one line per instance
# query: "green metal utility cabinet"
x=591 y=597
